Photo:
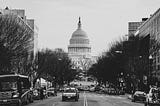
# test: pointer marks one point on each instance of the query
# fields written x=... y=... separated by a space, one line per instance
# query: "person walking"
x=41 y=94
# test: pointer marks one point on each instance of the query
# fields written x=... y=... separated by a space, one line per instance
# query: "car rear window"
x=69 y=90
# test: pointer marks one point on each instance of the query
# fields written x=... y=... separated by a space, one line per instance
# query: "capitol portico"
x=79 y=46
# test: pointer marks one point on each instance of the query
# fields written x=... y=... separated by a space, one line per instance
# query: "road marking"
x=86 y=102
x=85 y=99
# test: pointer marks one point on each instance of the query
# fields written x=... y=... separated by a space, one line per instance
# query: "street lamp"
x=150 y=69
x=118 y=52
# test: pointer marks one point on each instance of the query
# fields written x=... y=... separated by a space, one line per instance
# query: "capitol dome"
x=79 y=43
x=79 y=36
x=79 y=33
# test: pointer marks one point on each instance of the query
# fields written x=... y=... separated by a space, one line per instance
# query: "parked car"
x=153 y=97
x=36 y=94
x=98 y=88
x=51 y=92
x=121 y=92
x=70 y=93
x=92 y=89
x=139 y=96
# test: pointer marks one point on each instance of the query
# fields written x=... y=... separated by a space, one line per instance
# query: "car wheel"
x=76 y=99
x=146 y=104
x=133 y=100
x=63 y=99
x=31 y=99
x=20 y=103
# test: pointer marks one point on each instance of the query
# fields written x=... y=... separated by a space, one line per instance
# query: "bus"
x=15 y=90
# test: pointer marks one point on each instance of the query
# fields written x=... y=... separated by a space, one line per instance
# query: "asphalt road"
x=87 y=99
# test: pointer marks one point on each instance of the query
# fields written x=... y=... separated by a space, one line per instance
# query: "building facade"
x=133 y=26
x=79 y=45
x=151 y=27
x=29 y=23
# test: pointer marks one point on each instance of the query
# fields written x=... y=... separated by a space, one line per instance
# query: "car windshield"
x=8 y=86
x=70 y=91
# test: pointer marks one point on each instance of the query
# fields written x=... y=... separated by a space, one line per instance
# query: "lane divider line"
x=85 y=99
x=86 y=102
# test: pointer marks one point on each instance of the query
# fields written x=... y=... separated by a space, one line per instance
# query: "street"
x=88 y=99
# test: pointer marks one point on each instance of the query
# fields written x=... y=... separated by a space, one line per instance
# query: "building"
x=30 y=23
x=79 y=48
x=133 y=26
x=151 y=27
x=30 y=26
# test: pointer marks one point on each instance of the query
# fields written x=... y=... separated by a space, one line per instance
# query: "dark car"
x=139 y=96
x=70 y=93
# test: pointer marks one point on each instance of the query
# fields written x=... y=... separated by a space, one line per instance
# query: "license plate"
x=69 y=97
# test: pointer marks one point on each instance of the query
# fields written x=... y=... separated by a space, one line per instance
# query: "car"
x=51 y=92
x=36 y=94
x=139 y=96
x=70 y=93
x=111 y=91
x=153 y=97
x=92 y=89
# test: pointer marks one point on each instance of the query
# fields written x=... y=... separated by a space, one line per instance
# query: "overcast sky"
x=103 y=20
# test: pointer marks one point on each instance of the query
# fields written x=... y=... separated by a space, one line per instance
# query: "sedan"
x=70 y=93
x=139 y=96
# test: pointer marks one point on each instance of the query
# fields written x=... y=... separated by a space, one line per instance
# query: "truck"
x=15 y=90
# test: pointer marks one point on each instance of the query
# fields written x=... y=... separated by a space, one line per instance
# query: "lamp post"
x=120 y=52
x=121 y=75
x=150 y=70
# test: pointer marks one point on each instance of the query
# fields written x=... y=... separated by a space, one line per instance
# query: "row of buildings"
x=149 y=27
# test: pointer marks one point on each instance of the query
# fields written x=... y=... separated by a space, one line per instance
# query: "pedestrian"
x=41 y=94
x=55 y=90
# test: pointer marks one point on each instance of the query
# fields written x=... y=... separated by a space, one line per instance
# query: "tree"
x=110 y=64
x=16 y=43
x=55 y=66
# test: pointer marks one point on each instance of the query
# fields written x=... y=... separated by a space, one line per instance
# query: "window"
x=158 y=67
x=158 y=59
x=8 y=86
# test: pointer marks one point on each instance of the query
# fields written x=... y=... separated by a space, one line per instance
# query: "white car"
x=70 y=93
x=153 y=97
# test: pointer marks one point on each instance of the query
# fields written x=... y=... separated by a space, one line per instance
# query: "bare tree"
x=16 y=43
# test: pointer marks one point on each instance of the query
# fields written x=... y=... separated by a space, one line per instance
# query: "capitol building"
x=79 y=51
x=79 y=45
